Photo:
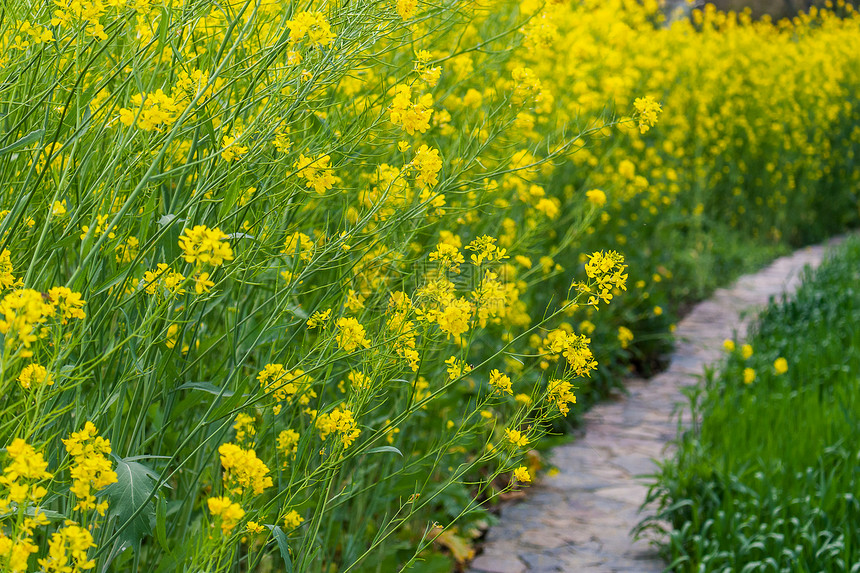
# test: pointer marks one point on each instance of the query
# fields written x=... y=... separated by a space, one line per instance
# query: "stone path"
x=580 y=519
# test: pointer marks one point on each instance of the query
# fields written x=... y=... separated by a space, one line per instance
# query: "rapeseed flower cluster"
x=67 y=551
x=243 y=470
x=228 y=512
x=204 y=246
x=608 y=274
x=24 y=485
x=91 y=470
x=341 y=422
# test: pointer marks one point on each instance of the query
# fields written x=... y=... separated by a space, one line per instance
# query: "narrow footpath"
x=580 y=519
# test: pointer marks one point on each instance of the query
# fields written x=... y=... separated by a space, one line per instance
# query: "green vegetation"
x=300 y=287
x=768 y=479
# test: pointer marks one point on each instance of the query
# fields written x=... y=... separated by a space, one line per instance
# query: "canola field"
x=300 y=286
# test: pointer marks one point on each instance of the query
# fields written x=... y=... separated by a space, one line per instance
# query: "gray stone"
x=542 y=537
x=492 y=564
x=541 y=562
x=635 y=464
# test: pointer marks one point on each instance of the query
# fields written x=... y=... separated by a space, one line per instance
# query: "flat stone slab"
x=580 y=519
x=491 y=564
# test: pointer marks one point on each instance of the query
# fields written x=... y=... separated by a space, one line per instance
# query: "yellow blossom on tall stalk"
x=607 y=273
x=490 y=298
x=232 y=150
x=91 y=470
x=172 y=336
x=454 y=319
x=339 y=421
x=21 y=475
x=153 y=111
x=456 y=367
x=67 y=550
x=67 y=303
x=448 y=256
x=281 y=383
x=522 y=475
x=292 y=519
x=163 y=281
x=411 y=116
x=59 y=208
x=313 y=25
x=780 y=365
x=202 y=284
x=359 y=381
x=485 y=250
x=501 y=382
x=35 y=375
x=319 y=319
x=288 y=444
x=204 y=246
x=351 y=334
x=243 y=470
x=516 y=438
x=596 y=197
x=126 y=252
x=580 y=358
x=647 y=111
x=561 y=393
x=254 y=527
x=100 y=229
x=317 y=172
x=21 y=313
x=406 y=8
x=7 y=279
x=15 y=553
x=299 y=243
x=428 y=74
x=625 y=336
x=229 y=512
x=245 y=427
x=427 y=163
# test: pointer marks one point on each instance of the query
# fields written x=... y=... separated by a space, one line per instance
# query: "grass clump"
x=767 y=480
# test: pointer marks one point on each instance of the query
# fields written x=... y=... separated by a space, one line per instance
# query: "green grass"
x=768 y=479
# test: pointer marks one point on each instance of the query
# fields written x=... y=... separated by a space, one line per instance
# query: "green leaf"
x=29 y=138
x=381 y=449
x=281 y=539
x=161 y=523
x=134 y=485
x=163 y=29
x=205 y=387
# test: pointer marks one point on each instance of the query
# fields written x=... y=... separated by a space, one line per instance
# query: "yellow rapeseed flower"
x=204 y=246
x=521 y=474
x=780 y=365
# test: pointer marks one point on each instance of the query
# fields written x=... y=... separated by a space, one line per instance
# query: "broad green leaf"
x=134 y=486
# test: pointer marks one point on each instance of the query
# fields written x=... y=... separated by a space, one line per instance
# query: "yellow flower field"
x=297 y=287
